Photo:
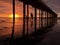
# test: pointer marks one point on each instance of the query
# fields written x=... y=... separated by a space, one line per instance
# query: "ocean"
x=6 y=25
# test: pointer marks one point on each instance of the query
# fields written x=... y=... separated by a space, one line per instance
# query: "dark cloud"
x=54 y=5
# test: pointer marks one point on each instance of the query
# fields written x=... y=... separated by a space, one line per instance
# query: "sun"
x=16 y=15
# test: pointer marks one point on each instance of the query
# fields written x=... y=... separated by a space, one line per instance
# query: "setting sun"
x=16 y=15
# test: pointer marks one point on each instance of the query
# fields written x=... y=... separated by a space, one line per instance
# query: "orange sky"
x=6 y=8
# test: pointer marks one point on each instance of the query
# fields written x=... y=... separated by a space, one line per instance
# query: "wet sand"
x=52 y=37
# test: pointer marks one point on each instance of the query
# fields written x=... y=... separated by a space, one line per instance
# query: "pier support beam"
x=12 y=35
x=41 y=18
x=50 y=19
x=27 y=17
x=35 y=18
x=47 y=19
x=24 y=18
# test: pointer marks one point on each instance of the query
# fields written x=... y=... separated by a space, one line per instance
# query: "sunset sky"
x=6 y=7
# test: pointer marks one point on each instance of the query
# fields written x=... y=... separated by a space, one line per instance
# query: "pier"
x=35 y=25
x=44 y=13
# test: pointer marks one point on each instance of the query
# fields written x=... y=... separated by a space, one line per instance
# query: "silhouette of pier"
x=45 y=13
x=44 y=10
